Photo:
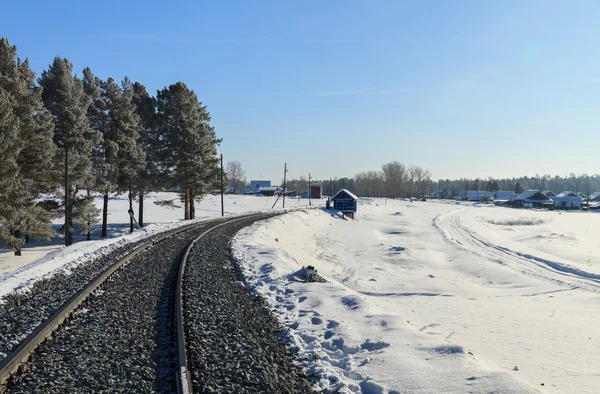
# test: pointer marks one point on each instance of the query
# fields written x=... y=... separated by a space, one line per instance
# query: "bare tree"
x=235 y=175
x=395 y=177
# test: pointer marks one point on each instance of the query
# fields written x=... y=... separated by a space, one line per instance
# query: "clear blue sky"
x=463 y=88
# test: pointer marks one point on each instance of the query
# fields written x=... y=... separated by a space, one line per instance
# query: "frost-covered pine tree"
x=104 y=151
x=124 y=125
x=150 y=175
x=65 y=98
x=26 y=152
x=190 y=143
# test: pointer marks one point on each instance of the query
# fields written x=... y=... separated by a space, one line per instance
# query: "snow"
x=43 y=258
x=435 y=296
x=351 y=195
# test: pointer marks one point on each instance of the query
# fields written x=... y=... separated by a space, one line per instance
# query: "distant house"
x=289 y=193
x=346 y=202
x=594 y=197
x=533 y=199
x=504 y=195
x=269 y=191
x=567 y=200
x=474 y=195
x=255 y=185
x=316 y=191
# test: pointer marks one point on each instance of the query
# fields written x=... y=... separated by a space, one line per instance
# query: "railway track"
x=126 y=330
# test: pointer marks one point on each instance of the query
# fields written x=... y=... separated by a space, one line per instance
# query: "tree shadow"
x=113 y=230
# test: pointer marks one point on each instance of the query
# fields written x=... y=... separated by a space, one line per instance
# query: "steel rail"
x=16 y=361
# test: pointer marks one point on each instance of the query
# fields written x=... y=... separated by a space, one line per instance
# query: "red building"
x=316 y=191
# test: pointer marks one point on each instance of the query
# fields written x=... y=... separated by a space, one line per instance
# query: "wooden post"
x=222 y=205
x=284 y=174
x=186 y=213
x=130 y=210
x=67 y=229
x=89 y=226
x=309 y=191
x=141 y=209
x=104 y=215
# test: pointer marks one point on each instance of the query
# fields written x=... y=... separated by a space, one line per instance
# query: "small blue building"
x=345 y=202
x=255 y=185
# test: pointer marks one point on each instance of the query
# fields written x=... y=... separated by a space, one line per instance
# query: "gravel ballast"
x=122 y=339
x=232 y=339
x=21 y=313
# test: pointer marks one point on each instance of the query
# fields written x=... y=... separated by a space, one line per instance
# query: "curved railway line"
x=127 y=329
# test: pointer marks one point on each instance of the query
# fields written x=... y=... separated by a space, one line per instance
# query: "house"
x=257 y=184
x=567 y=200
x=345 y=202
x=289 y=193
x=316 y=191
x=594 y=197
x=550 y=193
x=504 y=195
x=269 y=191
x=474 y=195
x=533 y=199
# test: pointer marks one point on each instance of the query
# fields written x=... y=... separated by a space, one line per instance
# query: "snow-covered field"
x=42 y=258
x=433 y=297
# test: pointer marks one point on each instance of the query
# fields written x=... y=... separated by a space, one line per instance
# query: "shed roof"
x=567 y=194
x=595 y=196
x=534 y=196
x=268 y=188
x=340 y=195
x=504 y=194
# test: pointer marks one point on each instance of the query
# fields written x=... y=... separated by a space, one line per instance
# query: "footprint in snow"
x=332 y=324
x=373 y=346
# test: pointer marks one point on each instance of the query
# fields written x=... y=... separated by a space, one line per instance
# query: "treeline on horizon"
x=394 y=180
x=116 y=136
x=416 y=182
x=584 y=183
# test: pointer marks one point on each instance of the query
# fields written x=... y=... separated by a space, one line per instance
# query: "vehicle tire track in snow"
x=453 y=231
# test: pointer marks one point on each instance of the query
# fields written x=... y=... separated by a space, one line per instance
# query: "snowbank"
x=419 y=301
x=41 y=259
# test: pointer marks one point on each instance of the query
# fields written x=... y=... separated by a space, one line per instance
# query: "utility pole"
x=222 y=206
x=309 y=190
x=67 y=229
x=284 y=174
x=330 y=188
x=587 y=200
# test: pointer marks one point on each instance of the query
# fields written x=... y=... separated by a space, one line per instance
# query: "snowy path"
x=453 y=230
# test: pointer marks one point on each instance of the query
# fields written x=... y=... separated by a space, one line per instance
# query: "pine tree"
x=519 y=189
x=64 y=97
x=104 y=151
x=149 y=176
x=26 y=150
x=190 y=143
x=124 y=127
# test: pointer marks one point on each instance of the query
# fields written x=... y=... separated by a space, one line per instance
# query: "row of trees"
x=578 y=183
x=394 y=180
x=97 y=136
